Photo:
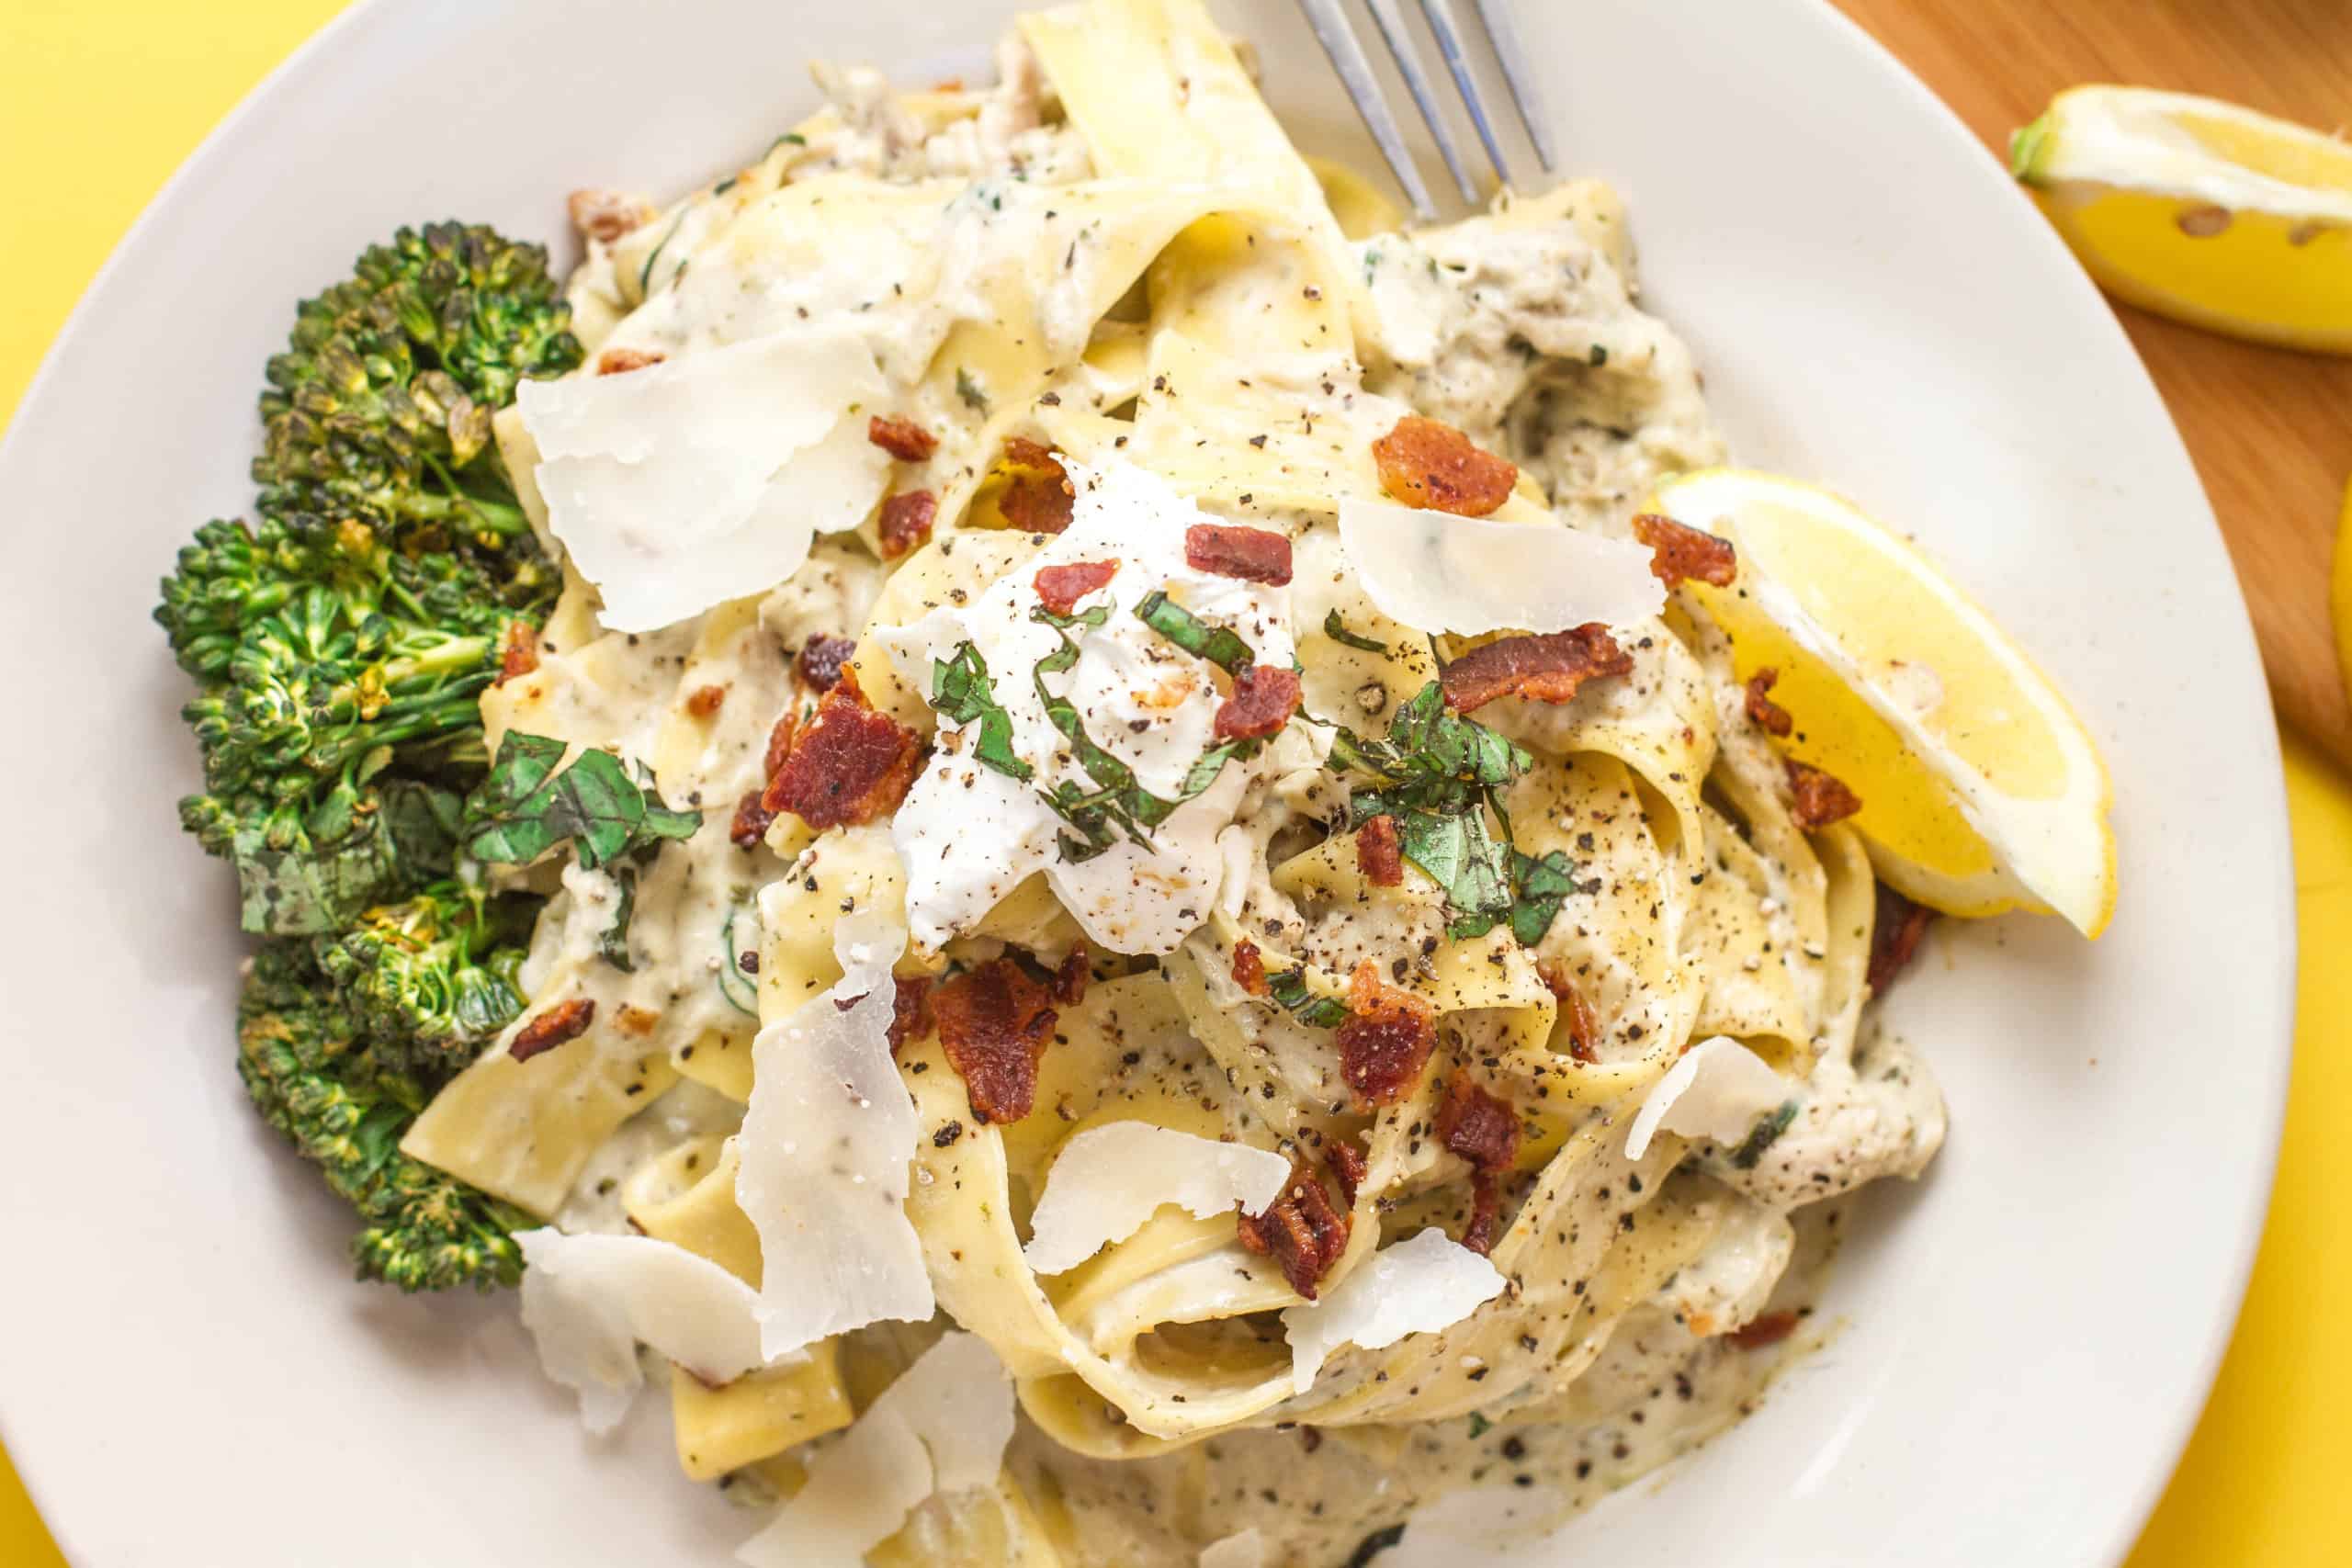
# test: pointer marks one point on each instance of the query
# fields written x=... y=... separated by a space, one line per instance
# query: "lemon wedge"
x=1981 y=790
x=2201 y=210
x=2339 y=595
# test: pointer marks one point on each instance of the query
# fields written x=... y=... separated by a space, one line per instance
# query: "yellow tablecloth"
x=101 y=99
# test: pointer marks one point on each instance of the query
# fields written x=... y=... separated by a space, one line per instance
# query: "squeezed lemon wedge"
x=2339 y=595
x=1981 y=790
x=2201 y=210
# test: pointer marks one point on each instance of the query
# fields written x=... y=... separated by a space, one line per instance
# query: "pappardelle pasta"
x=1172 y=929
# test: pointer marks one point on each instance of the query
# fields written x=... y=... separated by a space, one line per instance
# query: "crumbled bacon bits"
x=910 y=1010
x=518 y=654
x=1071 y=976
x=1483 y=1130
x=1894 y=936
x=1301 y=1231
x=1764 y=1329
x=780 y=743
x=905 y=521
x=1061 y=587
x=1384 y=1041
x=752 y=822
x=847 y=766
x=1347 y=1165
x=1583 y=1029
x=1678 y=554
x=1766 y=715
x=993 y=1023
x=1264 y=696
x=823 y=658
x=1040 y=497
x=564 y=1021
x=703 y=701
x=1248 y=967
x=1229 y=550
x=901 y=437
x=1425 y=463
x=1821 y=797
x=1378 y=855
x=621 y=361
x=1551 y=667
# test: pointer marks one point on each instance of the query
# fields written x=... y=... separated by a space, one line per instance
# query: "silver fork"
x=1338 y=36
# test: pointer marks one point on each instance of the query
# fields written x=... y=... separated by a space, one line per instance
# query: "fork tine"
x=1502 y=28
x=1391 y=22
x=1339 y=42
x=1449 y=45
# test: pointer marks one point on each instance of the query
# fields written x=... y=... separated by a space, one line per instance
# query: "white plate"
x=187 y=1374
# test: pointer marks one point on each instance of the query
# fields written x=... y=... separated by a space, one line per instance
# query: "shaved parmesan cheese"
x=704 y=479
x=1243 y=1549
x=1717 y=1090
x=941 y=1428
x=1144 y=699
x=825 y=1147
x=1109 y=1179
x=590 y=1300
x=1437 y=572
x=1417 y=1286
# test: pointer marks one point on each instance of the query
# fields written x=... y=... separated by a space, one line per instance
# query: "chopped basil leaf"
x=1219 y=645
x=526 y=807
x=1336 y=630
x=970 y=391
x=961 y=693
x=1766 y=1132
x=1288 y=987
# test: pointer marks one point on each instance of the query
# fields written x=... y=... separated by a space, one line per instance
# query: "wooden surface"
x=2272 y=430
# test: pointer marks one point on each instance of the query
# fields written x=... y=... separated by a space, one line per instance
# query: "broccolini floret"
x=314 y=1076
x=432 y=980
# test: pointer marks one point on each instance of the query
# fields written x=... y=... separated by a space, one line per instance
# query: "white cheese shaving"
x=1146 y=700
x=704 y=479
x=1108 y=1181
x=1717 y=1090
x=1417 y=1286
x=825 y=1147
x=1437 y=572
x=589 y=1301
x=1242 y=1549
x=940 y=1428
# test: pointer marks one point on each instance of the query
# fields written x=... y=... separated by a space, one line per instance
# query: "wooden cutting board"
x=2272 y=430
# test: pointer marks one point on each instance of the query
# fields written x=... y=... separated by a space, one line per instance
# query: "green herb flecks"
x=970 y=391
x=1288 y=987
x=1336 y=630
x=1764 y=1134
x=612 y=943
x=526 y=808
x=1219 y=645
x=741 y=994
x=961 y=693
x=1479 y=1426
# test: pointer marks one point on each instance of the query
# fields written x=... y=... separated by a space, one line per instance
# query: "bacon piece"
x=905 y=521
x=1252 y=555
x=1264 y=696
x=1384 y=1041
x=780 y=743
x=1248 y=967
x=1894 y=936
x=1583 y=1029
x=703 y=701
x=1347 y=1165
x=753 y=819
x=1821 y=797
x=822 y=659
x=1483 y=1130
x=1678 y=553
x=1766 y=714
x=1378 y=855
x=910 y=1011
x=565 y=1021
x=621 y=361
x=1071 y=978
x=1765 y=1328
x=605 y=215
x=994 y=1022
x=849 y=765
x=1550 y=667
x=1061 y=587
x=519 y=654
x=901 y=437
x=1039 y=500
x=1300 y=1229
x=1425 y=463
